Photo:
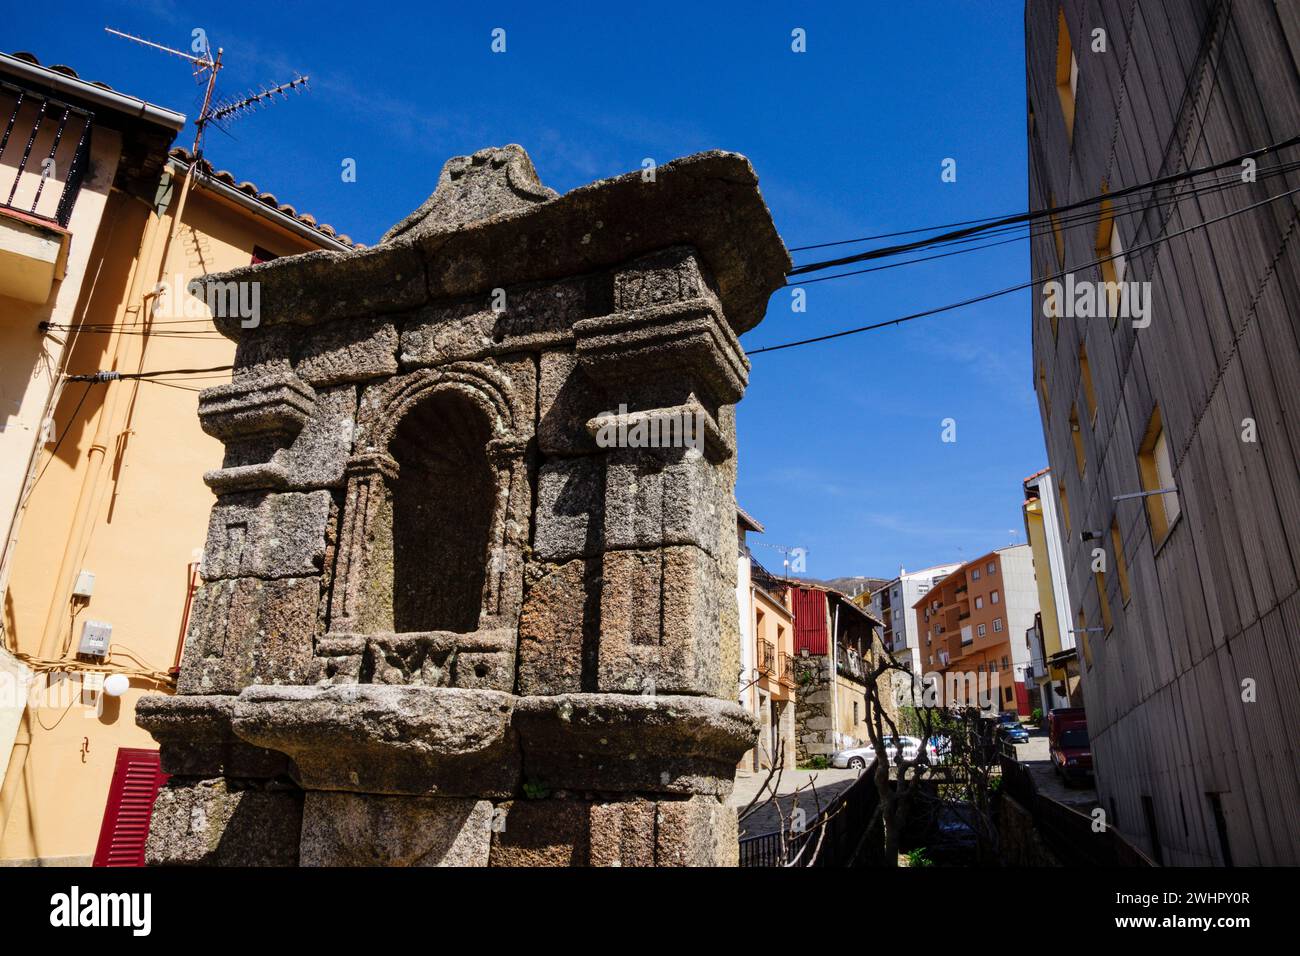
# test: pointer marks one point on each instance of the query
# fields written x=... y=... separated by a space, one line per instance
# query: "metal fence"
x=1067 y=832
x=844 y=821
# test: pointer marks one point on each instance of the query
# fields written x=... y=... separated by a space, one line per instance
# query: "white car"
x=858 y=758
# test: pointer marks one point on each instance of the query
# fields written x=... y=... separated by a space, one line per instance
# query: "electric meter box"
x=95 y=638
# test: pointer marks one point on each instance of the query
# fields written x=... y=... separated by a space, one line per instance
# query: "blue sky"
x=840 y=448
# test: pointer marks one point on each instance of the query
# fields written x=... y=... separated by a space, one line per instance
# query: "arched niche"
x=436 y=475
x=443 y=499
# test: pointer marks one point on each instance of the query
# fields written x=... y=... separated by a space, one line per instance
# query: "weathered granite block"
x=315 y=458
x=275 y=403
x=266 y=535
x=220 y=823
x=559 y=627
x=633 y=743
x=688 y=343
x=672 y=275
x=574 y=833
x=196 y=740
x=659 y=621
x=698 y=831
x=364 y=829
x=448 y=332
x=352 y=350
x=567 y=399
x=371 y=738
x=659 y=497
x=247 y=631
x=570 y=508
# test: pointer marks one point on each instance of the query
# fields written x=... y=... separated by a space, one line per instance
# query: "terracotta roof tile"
x=183 y=155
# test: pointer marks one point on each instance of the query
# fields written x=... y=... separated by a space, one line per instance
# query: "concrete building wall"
x=1188 y=678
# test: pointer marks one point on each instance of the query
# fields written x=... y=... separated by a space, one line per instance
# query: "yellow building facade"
x=115 y=515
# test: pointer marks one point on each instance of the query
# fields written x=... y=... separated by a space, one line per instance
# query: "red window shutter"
x=136 y=779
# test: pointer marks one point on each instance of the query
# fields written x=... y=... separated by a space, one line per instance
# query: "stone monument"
x=469 y=583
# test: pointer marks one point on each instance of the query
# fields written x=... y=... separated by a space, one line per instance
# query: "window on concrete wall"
x=1106 y=622
x=1114 y=265
x=1155 y=466
x=1065 y=505
x=1058 y=239
x=992 y=567
x=1076 y=436
x=1044 y=394
x=975 y=574
x=1067 y=72
x=980 y=630
x=1082 y=633
x=979 y=603
x=995 y=597
x=997 y=624
x=1085 y=380
x=1121 y=565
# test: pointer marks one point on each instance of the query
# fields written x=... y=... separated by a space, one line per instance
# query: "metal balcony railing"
x=766 y=656
x=44 y=151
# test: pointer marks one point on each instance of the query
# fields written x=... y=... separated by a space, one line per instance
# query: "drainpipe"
x=835 y=677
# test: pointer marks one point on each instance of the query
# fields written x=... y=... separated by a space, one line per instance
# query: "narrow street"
x=820 y=787
x=1034 y=757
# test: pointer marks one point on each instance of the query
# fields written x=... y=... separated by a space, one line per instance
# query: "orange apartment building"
x=972 y=625
x=767 y=685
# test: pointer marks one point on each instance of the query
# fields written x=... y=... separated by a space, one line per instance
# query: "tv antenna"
x=798 y=553
x=210 y=112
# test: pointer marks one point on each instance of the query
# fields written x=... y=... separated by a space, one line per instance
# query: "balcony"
x=44 y=152
x=766 y=657
x=787 y=669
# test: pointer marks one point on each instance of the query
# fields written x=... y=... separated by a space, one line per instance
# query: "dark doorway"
x=1220 y=827
x=1149 y=811
x=442 y=513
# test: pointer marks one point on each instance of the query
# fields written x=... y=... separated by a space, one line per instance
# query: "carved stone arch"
x=396 y=432
x=386 y=404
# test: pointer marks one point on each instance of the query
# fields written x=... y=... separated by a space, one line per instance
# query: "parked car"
x=938 y=749
x=1068 y=745
x=860 y=757
x=1014 y=733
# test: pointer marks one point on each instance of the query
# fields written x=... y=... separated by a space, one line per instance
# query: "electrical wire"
x=1134 y=205
x=1024 y=285
x=1026 y=217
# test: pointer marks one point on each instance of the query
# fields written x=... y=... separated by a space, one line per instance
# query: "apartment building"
x=1054 y=664
x=1173 y=436
x=972 y=625
x=892 y=605
x=108 y=512
x=835 y=641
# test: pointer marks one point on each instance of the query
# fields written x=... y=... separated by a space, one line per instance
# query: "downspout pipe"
x=835 y=677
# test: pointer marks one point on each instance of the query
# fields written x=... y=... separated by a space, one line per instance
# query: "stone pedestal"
x=469 y=579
